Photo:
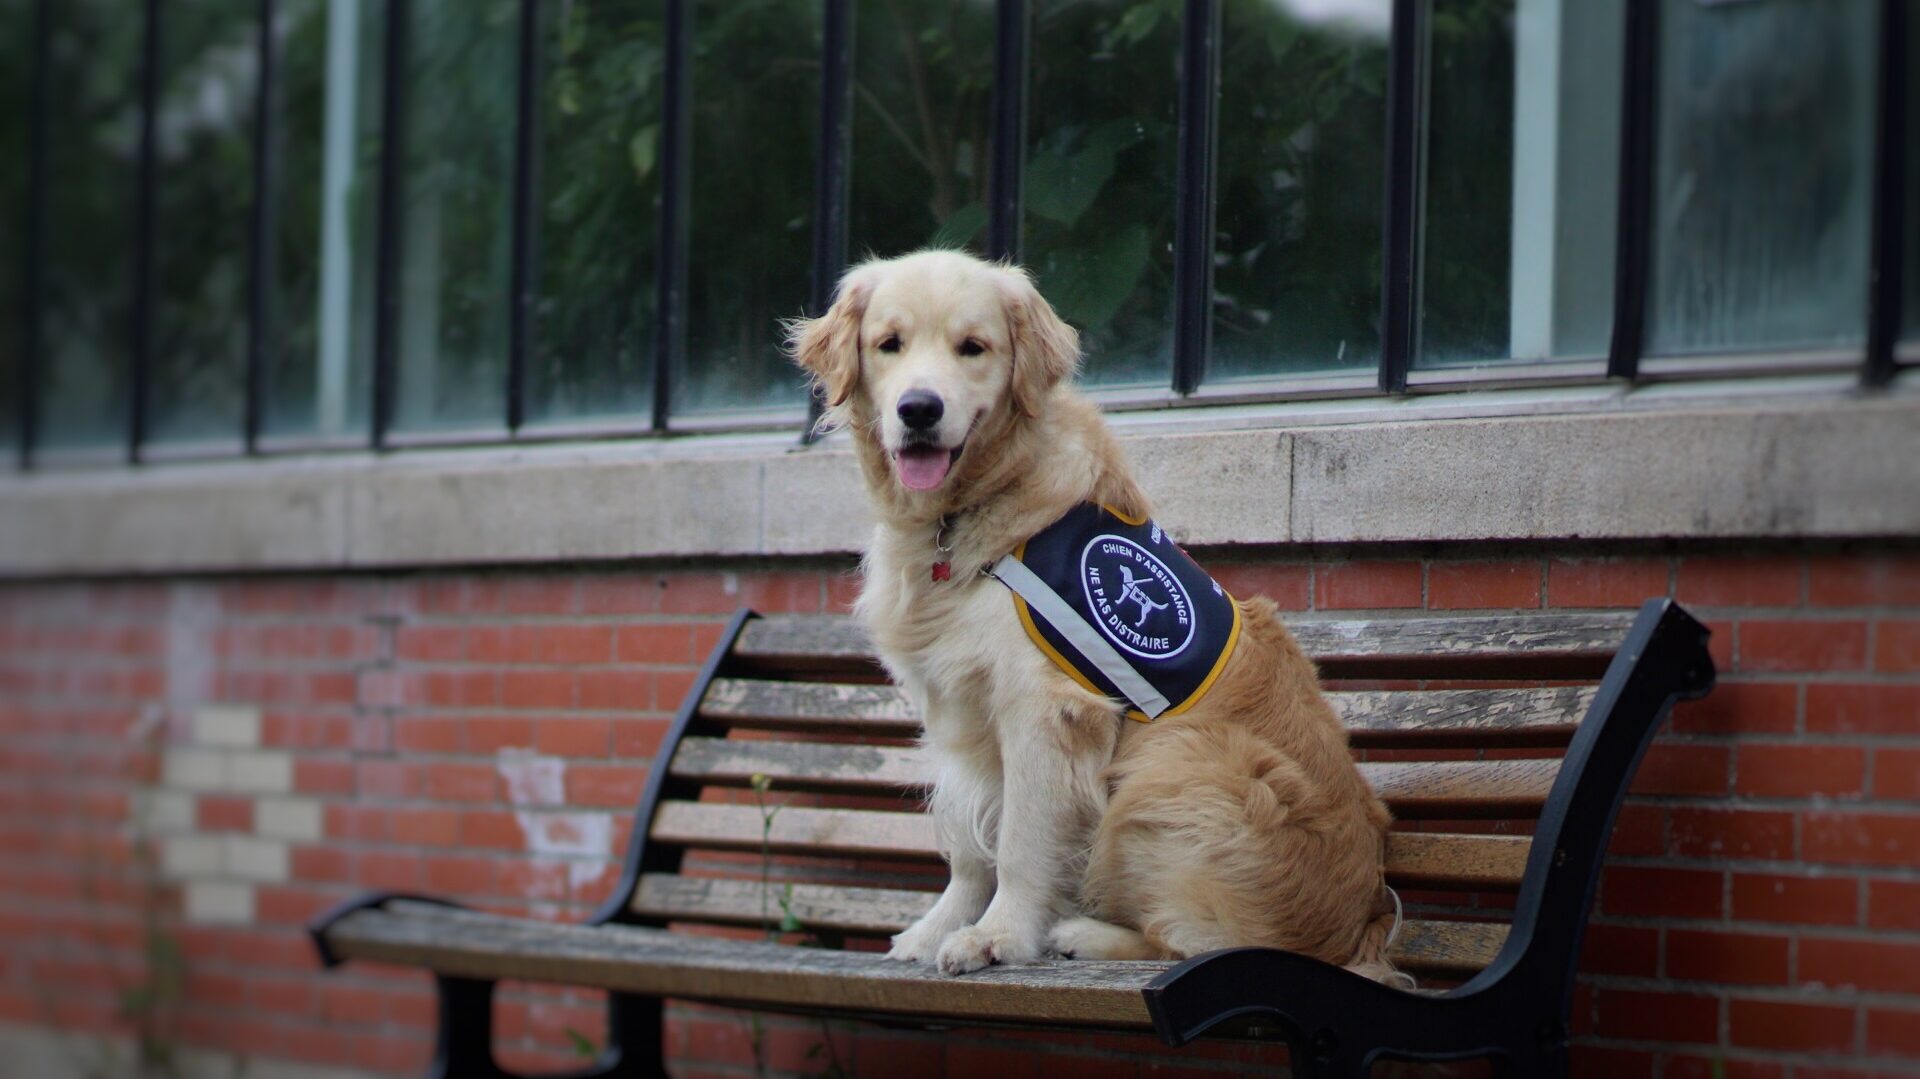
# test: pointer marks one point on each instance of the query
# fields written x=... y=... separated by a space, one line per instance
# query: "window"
x=591 y=216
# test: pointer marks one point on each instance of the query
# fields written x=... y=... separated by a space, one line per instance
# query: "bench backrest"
x=1460 y=723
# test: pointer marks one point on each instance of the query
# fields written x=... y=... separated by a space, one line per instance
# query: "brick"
x=167 y=811
x=623 y=690
x=452 y=689
x=492 y=829
x=1639 y=831
x=1634 y=891
x=491 y=734
x=1742 y=707
x=1863 y=580
x=1736 y=833
x=429 y=644
x=320 y=863
x=323 y=775
x=427 y=734
x=1364 y=585
x=451 y=782
x=1800 y=771
x=187 y=857
x=260 y=771
x=1289 y=585
x=1863 y=709
x=1896 y=774
x=1893 y=904
x=1606 y=582
x=1770 y=897
x=217 y=903
x=1881 y=965
x=1802 y=645
x=1790 y=1026
x=425 y=827
x=559 y=644
x=1657 y=1017
x=666 y=643
x=1672 y=769
x=638 y=737
x=1738 y=581
x=1483 y=585
x=1620 y=949
x=257 y=859
x=1606 y=1062
x=389 y=870
x=194 y=769
x=224 y=813
x=460 y=874
x=605 y=785
x=572 y=737
x=1861 y=838
x=1893 y=1032
x=1896 y=646
x=537 y=689
x=233 y=726
x=606 y=594
x=1718 y=1066
x=1726 y=958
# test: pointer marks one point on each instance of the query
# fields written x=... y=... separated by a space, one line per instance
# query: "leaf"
x=582 y=1045
x=1089 y=285
x=643 y=150
x=1062 y=183
x=960 y=227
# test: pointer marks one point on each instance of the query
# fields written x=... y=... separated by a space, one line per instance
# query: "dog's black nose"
x=920 y=409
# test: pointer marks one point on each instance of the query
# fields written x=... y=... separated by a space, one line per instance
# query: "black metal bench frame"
x=1514 y=1012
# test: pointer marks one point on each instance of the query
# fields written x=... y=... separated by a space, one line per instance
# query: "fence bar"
x=1633 y=243
x=670 y=254
x=34 y=232
x=833 y=173
x=1194 y=194
x=146 y=194
x=1009 y=130
x=260 y=241
x=526 y=145
x=1889 y=196
x=388 y=252
x=1400 y=261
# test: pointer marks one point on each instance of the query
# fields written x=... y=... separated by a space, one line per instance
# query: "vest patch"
x=1118 y=606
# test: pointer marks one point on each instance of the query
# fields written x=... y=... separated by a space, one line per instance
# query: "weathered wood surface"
x=1423 y=947
x=655 y=962
x=1463 y=717
x=1414 y=859
x=1548 y=644
x=1500 y=788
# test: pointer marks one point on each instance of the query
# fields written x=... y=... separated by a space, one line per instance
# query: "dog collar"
x=1118 y=606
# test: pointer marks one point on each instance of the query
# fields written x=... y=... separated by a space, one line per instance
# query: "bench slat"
x=1452 y=948
x=1414 y=859
x=655 y=962
x=1550 y=644
x=1503 y=717
x=1504 y=788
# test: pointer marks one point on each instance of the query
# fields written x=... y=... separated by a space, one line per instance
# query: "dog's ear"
x=1046 y=350
x=828 y=347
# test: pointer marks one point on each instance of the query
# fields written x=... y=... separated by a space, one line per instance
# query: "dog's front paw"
x=915 y=944
x=973 y=947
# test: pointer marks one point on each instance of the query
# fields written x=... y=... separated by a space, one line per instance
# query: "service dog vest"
x=1121 y=609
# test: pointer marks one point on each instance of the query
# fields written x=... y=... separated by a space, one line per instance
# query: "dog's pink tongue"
x=922 y=467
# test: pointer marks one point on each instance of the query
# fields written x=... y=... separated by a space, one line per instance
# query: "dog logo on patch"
x=1137 y=602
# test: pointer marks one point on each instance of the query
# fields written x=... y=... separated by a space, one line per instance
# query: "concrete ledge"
x=1838 y=465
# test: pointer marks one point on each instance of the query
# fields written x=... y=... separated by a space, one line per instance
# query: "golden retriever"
x=1241 y=821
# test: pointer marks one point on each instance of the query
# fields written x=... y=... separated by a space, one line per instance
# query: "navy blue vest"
x=1139 y=601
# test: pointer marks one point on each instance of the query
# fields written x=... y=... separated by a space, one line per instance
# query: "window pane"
x=1762 y=181
x=456 y=243
x=16 y=72
x=921 y=120
x=319 y=339
x=1100 y=176
x=599 y=179
x=1303 y=125
x=1521 y=180
x=1910 y=307
x=203 y=155
x=756 y=103
x=93 y=139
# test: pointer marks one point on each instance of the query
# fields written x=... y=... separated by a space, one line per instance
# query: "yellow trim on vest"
x=1072 y=671
x=1132 y=522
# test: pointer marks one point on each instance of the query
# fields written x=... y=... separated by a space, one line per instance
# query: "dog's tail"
x=1371 y=960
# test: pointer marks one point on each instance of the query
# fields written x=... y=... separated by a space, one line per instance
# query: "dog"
x=1069 y=828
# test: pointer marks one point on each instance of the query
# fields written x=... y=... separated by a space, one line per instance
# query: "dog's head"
x=925 y=353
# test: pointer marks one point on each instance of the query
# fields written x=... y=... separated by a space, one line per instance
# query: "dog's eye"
x=970 y=347
x=889 y=343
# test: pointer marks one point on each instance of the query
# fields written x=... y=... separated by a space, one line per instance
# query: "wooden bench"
x=1504 y=745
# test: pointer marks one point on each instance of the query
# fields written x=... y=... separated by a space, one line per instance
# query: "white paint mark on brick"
x=256 y=859
x=194 y=769
x=158 y=812
x=184 y=857
x=260 y=771
x=582 y=839
x=288 y=818
x=219 y=902
x=235 y=726
x=532 y=780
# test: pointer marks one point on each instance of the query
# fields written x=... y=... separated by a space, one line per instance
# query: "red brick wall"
x=485 y=735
